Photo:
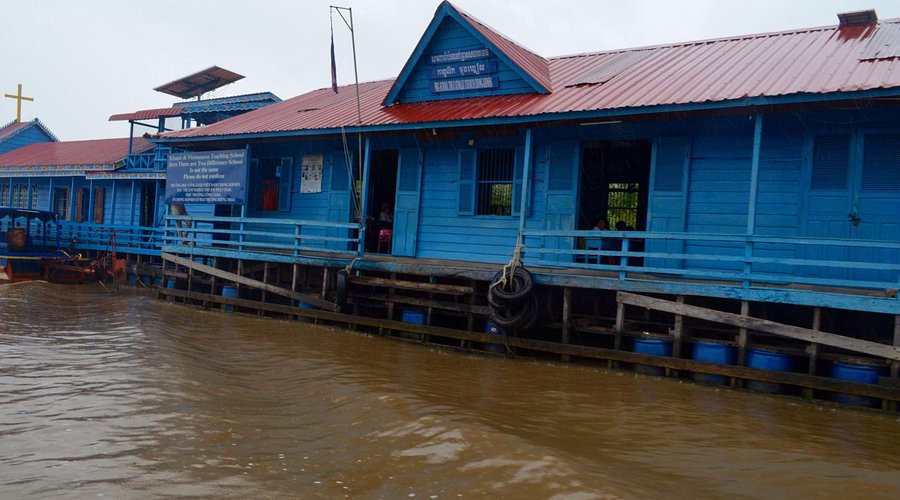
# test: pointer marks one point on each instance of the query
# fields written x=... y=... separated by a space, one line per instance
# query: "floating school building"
x=756 y=178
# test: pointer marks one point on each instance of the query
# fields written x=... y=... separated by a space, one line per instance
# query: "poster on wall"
x=311 y=174
x=207 y=177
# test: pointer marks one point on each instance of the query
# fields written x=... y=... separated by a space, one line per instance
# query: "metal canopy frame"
x=197 y=84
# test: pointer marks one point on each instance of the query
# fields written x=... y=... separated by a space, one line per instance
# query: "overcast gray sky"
x=83 y=61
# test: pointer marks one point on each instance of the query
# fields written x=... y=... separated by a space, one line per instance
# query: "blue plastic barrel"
x=414 y=316
x=492 y=329
x=309 y=307
x=132 y=278
x=768 y=360
x=231 y=292
x=865 y=373
x=713 y=352
x=170 y=283
x=654 y=347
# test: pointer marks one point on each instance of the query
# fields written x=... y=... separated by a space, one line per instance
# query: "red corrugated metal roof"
x=86 y=153
x=11 y=128
x=147 y=114
x=536 y=66
x=816 y=60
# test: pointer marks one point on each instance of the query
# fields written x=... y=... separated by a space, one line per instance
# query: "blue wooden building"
x=748 y=181
x=99 y=186
x=16 y=134
x=759 y=172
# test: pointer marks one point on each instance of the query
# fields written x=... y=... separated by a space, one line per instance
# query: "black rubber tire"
x=521 y=285
x=341 y=284
x=514 y=319
x=535 y=317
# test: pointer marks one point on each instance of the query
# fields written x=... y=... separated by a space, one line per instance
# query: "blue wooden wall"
x=29 y=135
x=451 y=36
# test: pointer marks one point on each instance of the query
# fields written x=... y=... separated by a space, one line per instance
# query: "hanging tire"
x=341 y=284
x=517 y=288
x=514 y=319
x=535 y=317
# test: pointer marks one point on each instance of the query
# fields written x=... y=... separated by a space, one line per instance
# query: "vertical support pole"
x=526 y=174
x=364 y=201
x=566 y=318
x=50 y=204
x=470 y=316
x=895 y=365
x=742 y=335
x=619 y=329
x=325 y=276
x=677 y=334
x=295 y=274
x=30 y=191
x=754 y=188
x=132 y=220
x=813 y=350
x=742 y=342
x=112 y=204
x=390 y=302
x=754 y=173
x=212 y=284
x=240 y=271
x=265 y=282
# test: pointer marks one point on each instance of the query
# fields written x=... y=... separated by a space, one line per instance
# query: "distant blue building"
x=17 y=134
x=112 y=184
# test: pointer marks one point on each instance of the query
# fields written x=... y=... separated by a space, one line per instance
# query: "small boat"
x=30 y=249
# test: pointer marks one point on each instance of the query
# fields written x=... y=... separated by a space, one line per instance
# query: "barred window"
x=622 y=203
x=495 y=181
x=20 y=196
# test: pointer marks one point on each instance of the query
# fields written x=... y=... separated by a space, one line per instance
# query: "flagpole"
x=358 y=105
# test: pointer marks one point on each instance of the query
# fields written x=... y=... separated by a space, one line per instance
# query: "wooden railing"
x=867 y=264
x=262 y=235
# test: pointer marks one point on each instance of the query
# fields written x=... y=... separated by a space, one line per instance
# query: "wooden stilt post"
x=325 y=276
x=742 y=343
x=470 y=317
x=813 y=350
x=212 y=283
x=262 y=297
x=677 y=335
x=566 y=317
x=895 y=365
x=190 y=282
x=619 y=329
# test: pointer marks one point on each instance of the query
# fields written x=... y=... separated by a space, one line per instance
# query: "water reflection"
x=121 y=395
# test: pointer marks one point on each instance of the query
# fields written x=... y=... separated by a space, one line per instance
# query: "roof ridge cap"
x=711 y=40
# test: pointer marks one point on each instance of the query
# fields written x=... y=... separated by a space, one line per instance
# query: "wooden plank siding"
x=449 y=37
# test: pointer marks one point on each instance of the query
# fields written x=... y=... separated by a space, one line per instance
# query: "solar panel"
x=199 y=83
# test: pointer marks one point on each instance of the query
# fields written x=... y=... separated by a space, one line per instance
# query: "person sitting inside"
x=386 y=216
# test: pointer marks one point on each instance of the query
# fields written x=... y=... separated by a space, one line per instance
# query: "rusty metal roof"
x=199 y=83
x=814 y=61
x=146 y=114
x=72 y=153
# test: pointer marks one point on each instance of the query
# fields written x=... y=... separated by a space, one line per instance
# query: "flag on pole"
x=334 y=86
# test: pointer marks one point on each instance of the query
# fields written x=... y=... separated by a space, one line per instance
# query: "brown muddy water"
x=122 y=396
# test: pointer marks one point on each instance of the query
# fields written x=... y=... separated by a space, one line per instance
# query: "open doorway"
x=148 y=204
x=382 y=196
x=615 y=178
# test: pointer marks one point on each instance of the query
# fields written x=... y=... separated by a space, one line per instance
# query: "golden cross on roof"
x=19 y=98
